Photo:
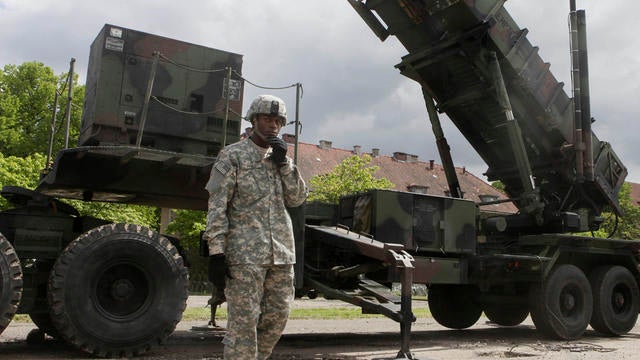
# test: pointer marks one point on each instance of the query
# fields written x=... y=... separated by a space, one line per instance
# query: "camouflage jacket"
x=247 y=219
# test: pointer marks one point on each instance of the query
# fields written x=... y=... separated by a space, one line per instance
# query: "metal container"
x=423 y=223
x=187 y=107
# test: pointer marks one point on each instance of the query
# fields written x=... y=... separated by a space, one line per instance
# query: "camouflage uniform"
x=248 y=222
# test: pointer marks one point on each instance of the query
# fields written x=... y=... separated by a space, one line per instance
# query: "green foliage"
x=628 y=226
x=17 y=171
x=114 y=212
x=188 y=224
x=352 y=175
x=27 y=97
x=498 y=185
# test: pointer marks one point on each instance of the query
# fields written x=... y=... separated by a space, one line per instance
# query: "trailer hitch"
x=404 y=262
x=387 y=303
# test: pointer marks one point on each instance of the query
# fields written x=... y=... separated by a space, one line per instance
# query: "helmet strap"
x=260 y=135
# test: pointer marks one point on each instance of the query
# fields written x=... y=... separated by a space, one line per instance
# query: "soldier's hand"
x=218 y=270
x=278 y=150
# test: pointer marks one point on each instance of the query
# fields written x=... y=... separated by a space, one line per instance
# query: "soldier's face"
x=268 y=125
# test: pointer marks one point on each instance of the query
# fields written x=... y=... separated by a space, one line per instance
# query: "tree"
x=624 y=227
x=352 y=175
x=499 y=185
x=27 y=97
x=188 y=224
x=17 y=171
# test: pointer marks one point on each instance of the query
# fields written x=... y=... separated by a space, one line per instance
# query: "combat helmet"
x=267 y=104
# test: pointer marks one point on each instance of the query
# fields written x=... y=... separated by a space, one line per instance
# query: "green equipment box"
x=187 y=107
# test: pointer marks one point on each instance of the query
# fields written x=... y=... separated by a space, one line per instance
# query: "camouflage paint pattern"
x=117 y=78
x=420 y=222
x=248 y=222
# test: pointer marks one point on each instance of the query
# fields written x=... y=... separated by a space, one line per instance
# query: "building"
x=635 y=193
x=406 y=171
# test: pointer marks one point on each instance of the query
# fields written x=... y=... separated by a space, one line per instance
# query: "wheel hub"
x=568 y=302
x=618 y=300
x=122 y=289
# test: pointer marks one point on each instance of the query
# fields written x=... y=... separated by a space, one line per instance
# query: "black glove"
x=278 y=150
x=218 y=270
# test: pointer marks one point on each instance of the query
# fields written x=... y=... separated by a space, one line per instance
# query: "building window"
x=419 y=189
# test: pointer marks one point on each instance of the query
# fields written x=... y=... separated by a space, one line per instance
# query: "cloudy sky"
x=353 y=95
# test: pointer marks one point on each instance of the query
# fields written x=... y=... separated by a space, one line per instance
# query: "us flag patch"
x=222 y=167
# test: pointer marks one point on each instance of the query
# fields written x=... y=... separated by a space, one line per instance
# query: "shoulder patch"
x=223 y=167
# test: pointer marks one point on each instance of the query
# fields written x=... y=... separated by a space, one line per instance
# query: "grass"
x=202 y=314
x=329 y=313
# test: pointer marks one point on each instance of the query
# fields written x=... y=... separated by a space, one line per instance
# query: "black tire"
x=561 y=307
x=615 y=300
x=10 y=282
x=506 y=314
x=118 y=290
x=454 y=306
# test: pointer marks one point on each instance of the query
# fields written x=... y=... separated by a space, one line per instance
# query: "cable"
x=213 y=71
x=264 y=87
x=189 y=67
x=191 y=112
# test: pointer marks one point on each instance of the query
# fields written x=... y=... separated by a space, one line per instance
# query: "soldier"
x=249 y=232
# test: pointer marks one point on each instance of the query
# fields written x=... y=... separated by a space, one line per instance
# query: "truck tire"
x=454 y=306
x=506 y=314
x=10 y=282
x=118 y=290
x=615 y=300
x=561 y=306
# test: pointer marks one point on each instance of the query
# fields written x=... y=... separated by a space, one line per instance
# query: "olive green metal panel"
x=440 y=271
x=182 y=134
x=187 y=109
x=422 y=223
x=392 y=218
x=127 y=174
x=36 y=235
x=297 y=220
x=317 y=213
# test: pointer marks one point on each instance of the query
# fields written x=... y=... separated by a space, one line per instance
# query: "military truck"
x=119 y=289
x=156 y=112
x=477 y=66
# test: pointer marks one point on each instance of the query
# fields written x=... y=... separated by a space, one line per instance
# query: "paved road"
x=372 y=338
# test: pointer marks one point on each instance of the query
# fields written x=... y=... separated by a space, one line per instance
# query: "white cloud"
x=352 y=92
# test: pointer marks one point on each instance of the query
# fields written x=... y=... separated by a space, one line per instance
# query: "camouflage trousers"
x=258 y=302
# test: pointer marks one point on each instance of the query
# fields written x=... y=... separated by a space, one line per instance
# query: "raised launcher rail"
x=459 y=51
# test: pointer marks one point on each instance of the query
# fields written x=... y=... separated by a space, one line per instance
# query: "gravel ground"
x=370 y=338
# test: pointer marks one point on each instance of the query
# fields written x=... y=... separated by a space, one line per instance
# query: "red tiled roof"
x=314 y=160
